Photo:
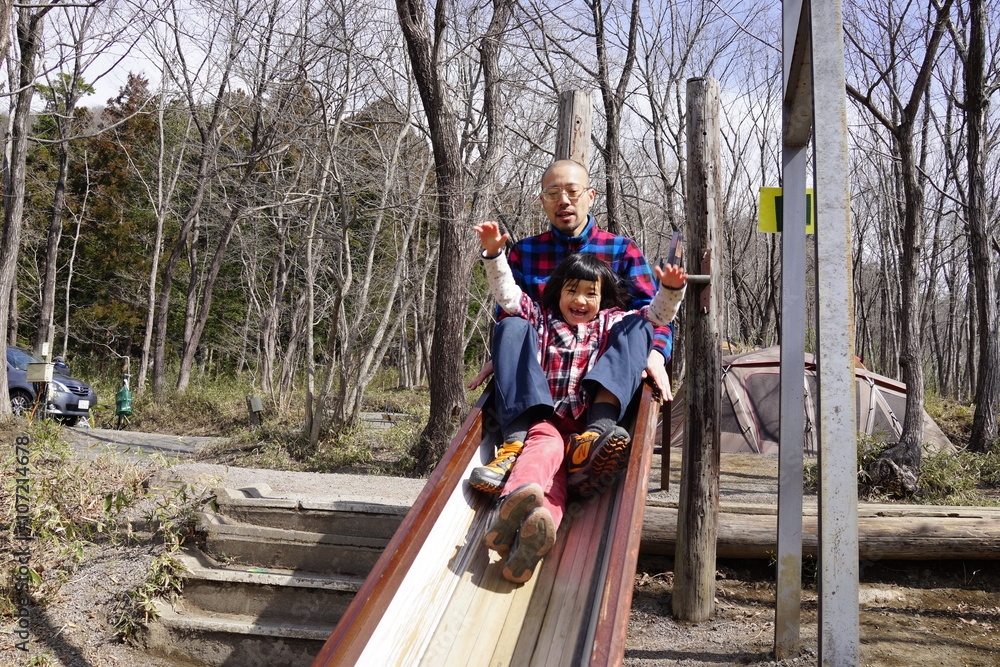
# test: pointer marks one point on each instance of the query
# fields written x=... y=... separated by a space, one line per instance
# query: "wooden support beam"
x=694 y=565
x=576 y=111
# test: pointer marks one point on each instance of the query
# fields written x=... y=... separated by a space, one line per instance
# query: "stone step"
x=253 y=505
x=233 y=639
x=247 y=546
x=275 y=576
x=270 y=595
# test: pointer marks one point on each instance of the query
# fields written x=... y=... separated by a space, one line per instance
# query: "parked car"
x=70 y=399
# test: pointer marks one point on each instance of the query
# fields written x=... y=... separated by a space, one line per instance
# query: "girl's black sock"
x=602 y=417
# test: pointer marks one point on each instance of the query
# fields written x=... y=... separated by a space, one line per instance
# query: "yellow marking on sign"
x=770 y=211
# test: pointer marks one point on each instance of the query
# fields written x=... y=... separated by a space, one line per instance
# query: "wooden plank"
x=864 y=509
x=560 y=624
x=594 y=573
x=422 y=599
x=482 y=602
x=576 y=110
x=902 y=538
x=517 y=625
x=530 y=625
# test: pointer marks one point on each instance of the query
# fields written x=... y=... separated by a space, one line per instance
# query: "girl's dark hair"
x=584 y=266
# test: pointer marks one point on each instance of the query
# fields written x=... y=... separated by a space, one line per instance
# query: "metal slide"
x=436 y=596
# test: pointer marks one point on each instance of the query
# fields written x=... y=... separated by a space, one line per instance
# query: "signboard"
x=770 y=218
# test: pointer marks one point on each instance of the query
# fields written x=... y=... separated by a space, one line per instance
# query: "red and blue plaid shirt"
x=533 y=259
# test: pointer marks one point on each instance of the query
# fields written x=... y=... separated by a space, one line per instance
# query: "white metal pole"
x=839 y=641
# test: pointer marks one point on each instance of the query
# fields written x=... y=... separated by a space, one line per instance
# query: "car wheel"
x=20 y=401
x=70 y=421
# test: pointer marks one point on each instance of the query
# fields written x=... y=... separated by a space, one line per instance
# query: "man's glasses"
x=573 y=192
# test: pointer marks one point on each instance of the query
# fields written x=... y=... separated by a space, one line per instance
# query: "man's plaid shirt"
x=533 y=259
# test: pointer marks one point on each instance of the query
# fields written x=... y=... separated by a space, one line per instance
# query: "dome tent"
x=749 y=419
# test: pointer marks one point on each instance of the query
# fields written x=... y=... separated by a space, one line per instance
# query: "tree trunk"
x=448 y=405
x=29 y=34
x=271 y=316
x=315 y=405
x=46 y=309
x=199 y=316
x=898 y=468
x=207 y=150
x=69 y=279
x=161 y=213
x=147 y=337
x=984 y=422
x=614 y=97
x=6 y=9
x=14 y=313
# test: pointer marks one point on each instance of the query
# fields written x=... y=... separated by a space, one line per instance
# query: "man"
x=521 y=394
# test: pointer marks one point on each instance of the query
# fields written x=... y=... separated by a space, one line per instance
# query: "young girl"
x=578 y=308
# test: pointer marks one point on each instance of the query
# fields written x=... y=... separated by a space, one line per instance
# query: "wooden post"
x=575 y=120
x=698 y=508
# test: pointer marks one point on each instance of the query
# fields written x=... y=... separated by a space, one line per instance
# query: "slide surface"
x=436 y=596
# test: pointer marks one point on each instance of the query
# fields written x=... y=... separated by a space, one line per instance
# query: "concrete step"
x=247 y=546
x=233 y=639
x=271 y=595
x=254 y=505
x=275 y=576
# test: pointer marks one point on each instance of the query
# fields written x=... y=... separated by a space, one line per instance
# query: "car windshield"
x=20 y=358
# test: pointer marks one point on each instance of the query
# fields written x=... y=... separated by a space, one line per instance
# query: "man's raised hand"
x=490 y=237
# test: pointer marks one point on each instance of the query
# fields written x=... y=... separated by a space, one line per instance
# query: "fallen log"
x=884 y=532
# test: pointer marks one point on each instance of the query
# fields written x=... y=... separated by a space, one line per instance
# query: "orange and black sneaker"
x=594 y=460
x=490 y=478
x=508 y=515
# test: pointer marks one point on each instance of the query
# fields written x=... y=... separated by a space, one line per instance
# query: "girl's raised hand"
x=490 y=237
x=671 y=276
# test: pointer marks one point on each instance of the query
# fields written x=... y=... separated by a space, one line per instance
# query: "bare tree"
x=6 y=11
x=29 y=36
x=61 y=103
x=78 y=217
x=83 y=35
x=427 y=51
x=982 y=240
x=899 y=465
x=613 y=95
x=160 y=193
x=208 y=127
